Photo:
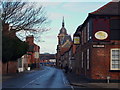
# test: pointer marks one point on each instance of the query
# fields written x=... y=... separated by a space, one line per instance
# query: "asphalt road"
x=49 y=77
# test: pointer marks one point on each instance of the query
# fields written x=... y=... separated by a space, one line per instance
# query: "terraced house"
x=95 y=51
x=98 y=54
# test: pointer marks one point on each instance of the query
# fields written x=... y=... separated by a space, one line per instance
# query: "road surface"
x=49 y=77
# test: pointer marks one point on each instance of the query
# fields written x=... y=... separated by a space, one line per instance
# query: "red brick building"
x=33 y=52
x=98 y=54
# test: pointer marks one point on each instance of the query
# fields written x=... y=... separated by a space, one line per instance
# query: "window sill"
x=114 y=70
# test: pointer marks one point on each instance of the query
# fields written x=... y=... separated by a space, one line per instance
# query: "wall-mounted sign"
x=101 y=35
x=76 y=40
x=72 y=58
x=98 y=46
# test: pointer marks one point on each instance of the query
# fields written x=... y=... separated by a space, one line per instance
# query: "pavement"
x=79 y=81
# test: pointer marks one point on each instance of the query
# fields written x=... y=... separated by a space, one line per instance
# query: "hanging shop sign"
x=76 y=40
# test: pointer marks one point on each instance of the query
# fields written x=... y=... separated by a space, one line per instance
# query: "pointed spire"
x=63 y=22
x=63 y=30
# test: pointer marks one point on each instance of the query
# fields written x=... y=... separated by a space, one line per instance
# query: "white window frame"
x=88 y=62
x=84 y=33
x=69 y=55
x=82 y=37
x=88 y=31
x=114 y=58
x=82 y=60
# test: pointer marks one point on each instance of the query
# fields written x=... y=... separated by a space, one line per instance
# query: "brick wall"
x=100 y=64
x=12 y=67
x=4 y=68
x=0 y=66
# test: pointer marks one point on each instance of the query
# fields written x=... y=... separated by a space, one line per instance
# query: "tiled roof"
x=63 y=50
x=63 y=31
x=111 y=8
x=78 y=29
x=67 y=37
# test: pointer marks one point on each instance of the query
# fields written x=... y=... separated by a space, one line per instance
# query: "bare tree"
x=24 y=16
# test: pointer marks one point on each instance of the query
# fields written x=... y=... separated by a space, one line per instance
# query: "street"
x=49 y=77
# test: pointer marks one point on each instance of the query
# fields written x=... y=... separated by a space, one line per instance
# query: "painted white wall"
x=52 y=60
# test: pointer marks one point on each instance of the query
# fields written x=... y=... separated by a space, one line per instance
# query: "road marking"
x=35 y=80
x=44 y=75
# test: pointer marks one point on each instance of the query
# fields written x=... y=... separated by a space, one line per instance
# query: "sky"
x=74 y=14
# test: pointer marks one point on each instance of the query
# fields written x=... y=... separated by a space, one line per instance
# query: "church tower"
x=62 y=33
x=64 y=43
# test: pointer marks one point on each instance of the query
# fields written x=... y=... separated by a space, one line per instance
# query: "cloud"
x=66 y=0
x=57 y=16
x=83 y=7
x=49 y=45
x=51 y=37
x=51 y=4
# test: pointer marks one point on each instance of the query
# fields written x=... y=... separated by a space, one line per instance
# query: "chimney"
x=30 y=39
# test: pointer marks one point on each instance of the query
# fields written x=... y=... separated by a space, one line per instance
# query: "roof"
x=77 y=30
x=63 y=50
x=110 y=8
x=67 y=44
x=63 y=30
x=67 y=37
x=30 y=36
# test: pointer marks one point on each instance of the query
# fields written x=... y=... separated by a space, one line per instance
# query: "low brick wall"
x=0 y=67
x=12 y=67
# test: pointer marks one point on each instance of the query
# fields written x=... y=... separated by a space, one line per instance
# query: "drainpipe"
x=7 y=67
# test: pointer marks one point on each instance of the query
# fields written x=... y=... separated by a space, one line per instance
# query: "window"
x=82 y=60
x=82 y=37
x=31 y=48
x=20 y=63
x=115 y=59
x=115 y=29
x=115 y=24
x=69 y=54
x=115 y=34
x=84 y=32
x=88 y=31
x=88 y=66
